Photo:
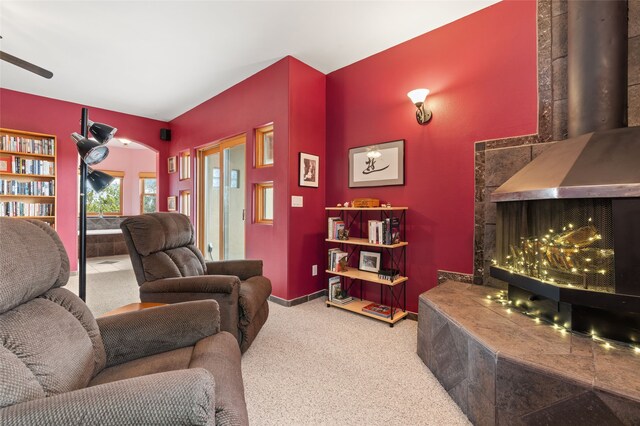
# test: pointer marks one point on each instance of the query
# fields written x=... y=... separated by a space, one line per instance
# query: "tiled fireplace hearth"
x=502 y=367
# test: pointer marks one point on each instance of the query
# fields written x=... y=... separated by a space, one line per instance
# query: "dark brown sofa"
x=59 y=366
x=169 y=268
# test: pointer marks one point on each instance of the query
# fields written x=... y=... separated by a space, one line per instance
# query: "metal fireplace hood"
x=601 y=164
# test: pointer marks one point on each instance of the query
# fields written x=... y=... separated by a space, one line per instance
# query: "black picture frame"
x=308 y=170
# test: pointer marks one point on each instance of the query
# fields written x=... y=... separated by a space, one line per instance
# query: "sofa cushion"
x=17 y=382
x=51 y=342
x=32 y=261
x=177 y=359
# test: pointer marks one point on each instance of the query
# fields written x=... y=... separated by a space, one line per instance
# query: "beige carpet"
x=311 y=365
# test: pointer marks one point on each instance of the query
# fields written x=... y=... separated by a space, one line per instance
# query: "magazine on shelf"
x=377 y=309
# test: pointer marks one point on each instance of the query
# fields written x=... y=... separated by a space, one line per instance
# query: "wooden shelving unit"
x=352 y=275
x=18 y=191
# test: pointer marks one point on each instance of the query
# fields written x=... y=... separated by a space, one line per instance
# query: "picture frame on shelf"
x=369 y=261
x=5 y=165
x=172 y=202
x=172 y=164
x=377 y=165
x=309 y=170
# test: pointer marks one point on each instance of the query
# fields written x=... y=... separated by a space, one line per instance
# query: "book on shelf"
x=341 y=299
x=331 y=233
x=378 y=310
x=27 y=145
x=384 y=231
x=394 y=230
x=14 y=187
x=334 y=285
x=335 y=255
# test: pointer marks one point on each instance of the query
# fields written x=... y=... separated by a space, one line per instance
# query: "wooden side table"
x=131 y=307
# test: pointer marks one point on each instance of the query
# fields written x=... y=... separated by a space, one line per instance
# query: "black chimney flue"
x=597 y=65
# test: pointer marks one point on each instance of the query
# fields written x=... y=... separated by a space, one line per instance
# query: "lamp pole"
x=82 y=238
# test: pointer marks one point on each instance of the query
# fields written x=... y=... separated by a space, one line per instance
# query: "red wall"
x=21 y=111
x=481 y=71
x=252 y=103
x=291 y=95
x=307 y=133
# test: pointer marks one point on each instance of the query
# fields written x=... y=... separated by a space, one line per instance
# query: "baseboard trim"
x=297 y=300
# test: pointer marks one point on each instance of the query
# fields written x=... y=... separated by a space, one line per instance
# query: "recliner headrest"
x=32 y=261
x=155 y=232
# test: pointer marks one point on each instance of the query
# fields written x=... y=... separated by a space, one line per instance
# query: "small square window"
x=264 y=146
x=264 y=203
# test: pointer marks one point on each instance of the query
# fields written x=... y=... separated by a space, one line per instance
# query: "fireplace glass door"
x=561 y=242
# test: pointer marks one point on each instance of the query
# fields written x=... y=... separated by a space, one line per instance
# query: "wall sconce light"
x=418 y=97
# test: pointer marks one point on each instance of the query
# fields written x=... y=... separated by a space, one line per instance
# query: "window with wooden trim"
x=148 y=192
x=264 y=146
x=109 y=200
x=264 y=202
x=185 y=165
x=185 y=203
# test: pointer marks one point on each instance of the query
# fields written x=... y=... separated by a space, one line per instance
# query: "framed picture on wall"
x=309 y=166
x=369 y=261
x=172 y=164
x=172 y=203
x=377 y=165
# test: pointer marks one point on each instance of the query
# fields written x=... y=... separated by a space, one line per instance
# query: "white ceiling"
x=158 y=59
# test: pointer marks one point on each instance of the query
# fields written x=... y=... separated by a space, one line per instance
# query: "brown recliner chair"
x=59 y=366
x=170 y=269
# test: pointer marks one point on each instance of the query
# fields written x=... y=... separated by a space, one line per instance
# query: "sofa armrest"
x=176 y=397
x=136 y=334
x=243 y=269
x=198 y=284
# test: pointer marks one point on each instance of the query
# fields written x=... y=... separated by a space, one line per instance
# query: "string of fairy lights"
x=567 y=257
x=502 y=298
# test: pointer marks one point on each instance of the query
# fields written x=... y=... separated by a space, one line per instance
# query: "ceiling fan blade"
x=26 y=65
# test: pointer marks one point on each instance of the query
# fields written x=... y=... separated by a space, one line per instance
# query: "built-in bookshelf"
x=383 y=238
x=28 y=175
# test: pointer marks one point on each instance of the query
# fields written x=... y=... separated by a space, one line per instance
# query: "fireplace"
x=568 y=223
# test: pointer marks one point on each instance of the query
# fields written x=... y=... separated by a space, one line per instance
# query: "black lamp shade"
x=91 y=152
x=102 y=132
x=99 y=180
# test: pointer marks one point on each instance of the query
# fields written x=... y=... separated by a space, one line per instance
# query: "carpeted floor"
x=311 y=365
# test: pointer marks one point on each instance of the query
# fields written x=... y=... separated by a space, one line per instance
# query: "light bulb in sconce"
x=418 y=96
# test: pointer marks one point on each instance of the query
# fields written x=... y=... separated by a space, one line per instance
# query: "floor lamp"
x=91 y=151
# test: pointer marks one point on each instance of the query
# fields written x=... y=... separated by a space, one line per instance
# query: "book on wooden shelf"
x=331 y=229
x=335 y=256
x=378 y=309
x=27 y=145
x=334 y=285
x=342 y=300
